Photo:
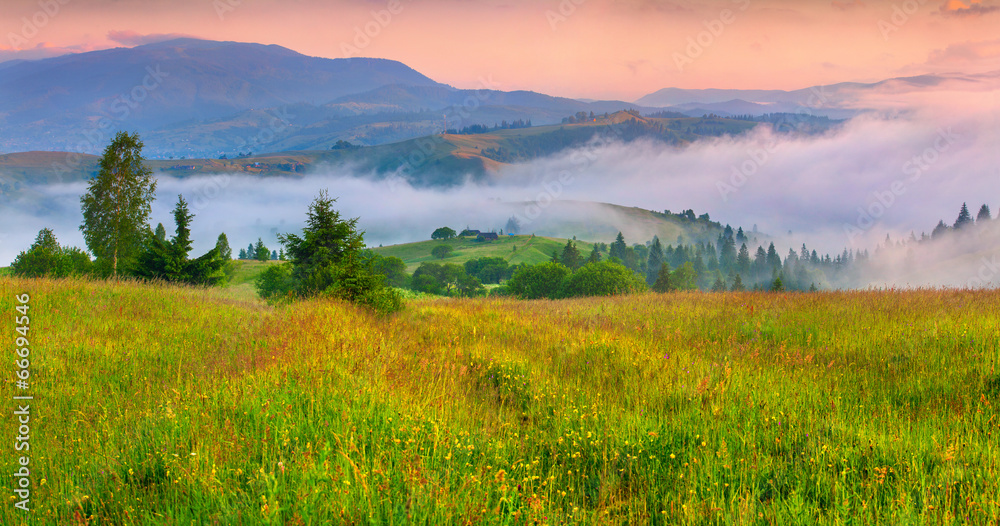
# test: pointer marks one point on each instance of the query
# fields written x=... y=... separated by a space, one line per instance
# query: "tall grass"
x=160 y=405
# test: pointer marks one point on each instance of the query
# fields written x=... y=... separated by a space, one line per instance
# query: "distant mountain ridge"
x=52 y=102
x=832 y=100
x=190 y=97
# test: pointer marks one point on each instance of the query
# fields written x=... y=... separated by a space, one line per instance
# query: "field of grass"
x=515 y=249
x=169 y=405
x=240 y=285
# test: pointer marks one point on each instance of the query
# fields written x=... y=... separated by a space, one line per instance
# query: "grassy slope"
x=240 y=285
x=438 y=158
x=531 y=250
x=172 y=405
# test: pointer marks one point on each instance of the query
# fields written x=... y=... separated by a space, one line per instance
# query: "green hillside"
x=432 y=160
x=514 y=249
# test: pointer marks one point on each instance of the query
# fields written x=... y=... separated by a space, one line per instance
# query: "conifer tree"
x=654 y=261
x=743 y=259
x=662 y=283
x=261 y=252
x=570 y=258
x=983 y=215
x=618 y=248
x=595 y=255
x=222 y=244
x=964 y=218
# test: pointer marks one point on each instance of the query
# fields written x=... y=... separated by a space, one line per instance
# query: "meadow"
x=514 y=249
x=174 y=405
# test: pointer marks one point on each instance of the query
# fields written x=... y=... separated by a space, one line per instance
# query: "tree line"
x=328 y=259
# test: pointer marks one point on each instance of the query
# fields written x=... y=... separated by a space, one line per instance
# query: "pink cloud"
x=959 y=8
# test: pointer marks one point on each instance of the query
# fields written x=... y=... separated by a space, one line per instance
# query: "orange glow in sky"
x=577 y=48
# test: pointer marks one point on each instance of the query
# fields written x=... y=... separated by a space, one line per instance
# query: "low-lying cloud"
x=891 y=172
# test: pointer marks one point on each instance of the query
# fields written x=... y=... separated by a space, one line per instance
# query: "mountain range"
x=192 y=98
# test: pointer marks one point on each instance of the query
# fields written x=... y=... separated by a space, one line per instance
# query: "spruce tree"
x=260 y=251
x=328 y=259
x=222 y=244
x=940 y=229
x=743 y=259
x=618 y=248
x=161 y=233
x=719 y=285
x=654 y=261
x=662 y=283
x=727 y=254
x=964 y=218
x=180 y=244
x=571 y=258
x=595 y=256
x=168 y=260
x=773 y=259
x=983 y=215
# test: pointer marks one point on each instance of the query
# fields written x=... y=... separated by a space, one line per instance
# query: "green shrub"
x=602 y=279
x=275 y=282
x=45 y=258
x=539 y=281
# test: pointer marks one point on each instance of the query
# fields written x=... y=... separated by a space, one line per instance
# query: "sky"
x=600 y=49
